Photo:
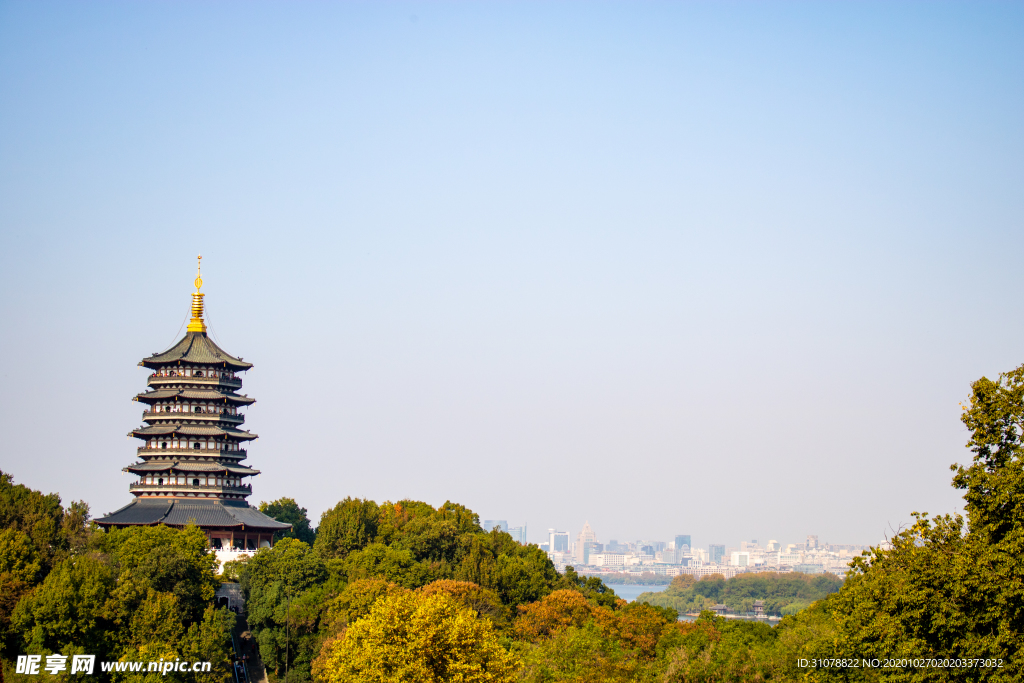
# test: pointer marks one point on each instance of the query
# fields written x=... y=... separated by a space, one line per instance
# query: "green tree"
x=349 y=526
x=161 y=559
x=36 y=533
x=284 y=595
x=288 y=511
x=592 y=587
x=949 y=586
x=69 y=610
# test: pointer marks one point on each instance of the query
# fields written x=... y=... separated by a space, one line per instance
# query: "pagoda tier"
x=192 y=440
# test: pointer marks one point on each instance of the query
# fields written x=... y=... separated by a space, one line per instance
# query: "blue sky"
x=724 y=269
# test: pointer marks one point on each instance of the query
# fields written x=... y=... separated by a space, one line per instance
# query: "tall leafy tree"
x=285 y=596
x=349 y=526
x=36 y=534
x=288 y=511
x=950 y=586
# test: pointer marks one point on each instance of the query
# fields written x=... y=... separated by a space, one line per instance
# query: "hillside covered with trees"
x=781 y=593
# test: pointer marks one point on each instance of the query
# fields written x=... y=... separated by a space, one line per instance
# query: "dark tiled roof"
x=211 y=395
x=195 y=394
x=177 y=512
x=150 y=467
x=240 y=434
x=190 y=467
x=157 y=395
x=202 y=514
x=251 y=517
x=198 y=349
x=155 y=430
x=138 y=512
x=192 y=430
x=200 y=430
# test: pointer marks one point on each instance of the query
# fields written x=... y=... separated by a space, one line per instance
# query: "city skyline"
x=541 y=536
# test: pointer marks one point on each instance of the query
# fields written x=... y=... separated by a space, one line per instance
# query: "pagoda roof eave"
x=181 y=512
x=195 y=348
x=148 y=467
x=194 y=394
x=191 y=430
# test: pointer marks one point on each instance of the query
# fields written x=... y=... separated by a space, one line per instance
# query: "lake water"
x=629 y=592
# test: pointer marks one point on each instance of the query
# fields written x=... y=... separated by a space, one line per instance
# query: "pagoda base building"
x=190 y=469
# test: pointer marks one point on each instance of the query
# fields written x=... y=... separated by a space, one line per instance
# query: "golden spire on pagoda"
x=197 y=324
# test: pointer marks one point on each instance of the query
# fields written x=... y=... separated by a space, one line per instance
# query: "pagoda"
x=193 y=446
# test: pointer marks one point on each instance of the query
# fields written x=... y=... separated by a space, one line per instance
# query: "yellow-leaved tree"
x=416 y=638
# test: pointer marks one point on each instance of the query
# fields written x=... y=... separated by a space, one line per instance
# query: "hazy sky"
x=724 y=269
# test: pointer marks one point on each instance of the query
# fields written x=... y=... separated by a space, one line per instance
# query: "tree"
x=779 y=592
x=949 y=586
x=553 y=613
x=284 y=595
x=163 y=560
x=20 y=570
x=288 y=511
x=417 y=638
x=36 y=533
x=483 y=601
x=69 y=610
x=356 y=601
x=349 y=526
x=591 y=586
x=581 y=654
x=53 y=531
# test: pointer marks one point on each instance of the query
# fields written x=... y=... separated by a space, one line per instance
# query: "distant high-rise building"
x=558 y=541
x=491 y=523
x=812 y=543
x=740 y=559
x=585 y=536
x=518 y=534
x=683 y=541
x=772 y=546
x=716 y=553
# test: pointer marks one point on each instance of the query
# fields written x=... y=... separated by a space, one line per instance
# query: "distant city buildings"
x=681 y=547
x=647 y=556
x=558 y=541
x=585 y=536
x=716 y=553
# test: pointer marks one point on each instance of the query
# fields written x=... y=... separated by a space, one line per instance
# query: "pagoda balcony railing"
x=206 y=415
x=244 y=489
x=206 y=452
x=189 y=379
